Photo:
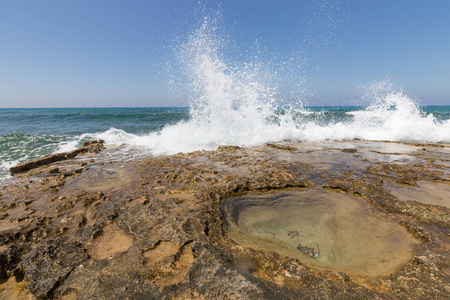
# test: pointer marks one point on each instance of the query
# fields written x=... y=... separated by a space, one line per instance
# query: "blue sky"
x=119 y=53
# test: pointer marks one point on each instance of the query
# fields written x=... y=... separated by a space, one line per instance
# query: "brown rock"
x=153 y=228
x=88 y=147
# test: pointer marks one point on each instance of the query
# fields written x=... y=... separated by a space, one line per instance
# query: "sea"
x=230 y=102
x=27 y=134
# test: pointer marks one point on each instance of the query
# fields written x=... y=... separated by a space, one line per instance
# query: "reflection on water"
x=424 y=192
x=103 y=178
x=320 y=228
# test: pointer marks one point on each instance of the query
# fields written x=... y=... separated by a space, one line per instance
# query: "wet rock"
x=152 y=228
x=282 y=147
x=88 y=147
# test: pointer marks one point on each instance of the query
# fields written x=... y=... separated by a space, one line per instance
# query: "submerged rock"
x=96 y=227
x=320 y=228
x=88 y=147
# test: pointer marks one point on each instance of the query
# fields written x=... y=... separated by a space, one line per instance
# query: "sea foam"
x=234 y=104
x=237 y=103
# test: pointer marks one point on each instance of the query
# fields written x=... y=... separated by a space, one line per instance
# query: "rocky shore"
x=270 y=222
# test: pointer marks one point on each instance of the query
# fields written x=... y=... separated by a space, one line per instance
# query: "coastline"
x=154 y=227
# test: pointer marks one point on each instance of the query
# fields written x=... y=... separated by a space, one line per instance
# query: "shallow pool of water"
x=320 y=228
x=425 y=192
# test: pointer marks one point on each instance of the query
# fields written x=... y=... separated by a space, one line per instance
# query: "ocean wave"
x=395 y=118
x=234 y=105
x=230 y=105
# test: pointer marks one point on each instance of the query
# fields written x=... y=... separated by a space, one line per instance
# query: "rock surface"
x=91 y=226
x=88 y=147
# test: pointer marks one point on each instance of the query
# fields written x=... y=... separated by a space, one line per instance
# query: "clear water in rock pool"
x=320 y=228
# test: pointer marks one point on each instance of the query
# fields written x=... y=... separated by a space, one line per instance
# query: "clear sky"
x=100 y=53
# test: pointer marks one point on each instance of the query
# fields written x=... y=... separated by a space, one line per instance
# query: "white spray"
x=234 y=105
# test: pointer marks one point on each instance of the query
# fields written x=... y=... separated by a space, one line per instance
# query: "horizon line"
x=181 y=107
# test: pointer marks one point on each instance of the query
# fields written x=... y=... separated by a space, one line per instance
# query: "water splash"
x=238 y=103
x=230 y=103
x=234 y=104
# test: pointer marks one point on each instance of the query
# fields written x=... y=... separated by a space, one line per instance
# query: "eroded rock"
x=152 y=228
x=88 y=147
x=111 y=241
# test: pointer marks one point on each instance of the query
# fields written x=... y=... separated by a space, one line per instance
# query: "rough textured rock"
x=88 y=147
x=151 y=228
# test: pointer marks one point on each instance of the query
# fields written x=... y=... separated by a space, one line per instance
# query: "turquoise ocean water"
x=26 y=134
x=231 y=102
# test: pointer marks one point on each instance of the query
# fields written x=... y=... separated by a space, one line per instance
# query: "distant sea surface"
x=27 y=134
